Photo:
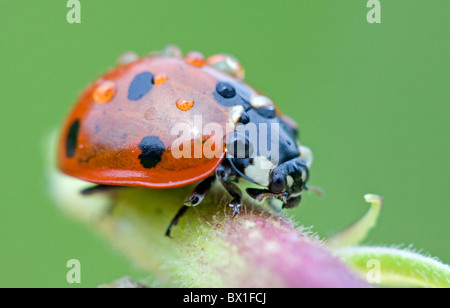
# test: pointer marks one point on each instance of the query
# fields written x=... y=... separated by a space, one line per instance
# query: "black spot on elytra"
x=141 y=85
x=152 y=149
x=72 y=139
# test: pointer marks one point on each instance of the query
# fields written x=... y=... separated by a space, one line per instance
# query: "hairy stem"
x=209 y=247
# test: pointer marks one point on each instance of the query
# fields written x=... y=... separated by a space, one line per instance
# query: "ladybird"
x=121 y=131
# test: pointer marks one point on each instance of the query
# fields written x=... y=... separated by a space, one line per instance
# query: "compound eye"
x=226 y=90
x=278 y=183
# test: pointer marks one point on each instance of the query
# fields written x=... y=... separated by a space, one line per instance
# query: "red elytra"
x=107 y=133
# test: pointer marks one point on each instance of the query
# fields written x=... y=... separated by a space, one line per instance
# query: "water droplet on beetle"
x=159 y=79
x=172 y=51
x=128 y=57
x=105 y=92
x=184 y=104
x=228 y=64
x=195 y=58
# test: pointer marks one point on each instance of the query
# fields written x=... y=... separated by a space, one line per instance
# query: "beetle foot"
x=236 y=203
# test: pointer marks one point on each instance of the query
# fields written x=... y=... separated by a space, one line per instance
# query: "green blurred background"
x=372 y=101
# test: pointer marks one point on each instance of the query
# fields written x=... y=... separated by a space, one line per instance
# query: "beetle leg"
x=176 y=218
x=234 y=192
x=197 y=196
x=100 y=189
x=200 y=192
x=108 y=190
x=227 y=176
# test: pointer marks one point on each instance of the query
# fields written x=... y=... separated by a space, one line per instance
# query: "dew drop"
x=128 y=57
x=184 y=104
x=195 y=58
x=105 y=92
x=159 y=79
x=228 y=64
x=172 y=51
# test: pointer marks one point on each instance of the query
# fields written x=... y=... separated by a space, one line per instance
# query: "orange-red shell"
x=100 y=142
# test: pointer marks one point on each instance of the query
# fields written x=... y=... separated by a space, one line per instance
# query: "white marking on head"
x=290 y=180
x=304 y=177
x=259 y=171
x=259 y=101
x=307 y=155
x=235 y=113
